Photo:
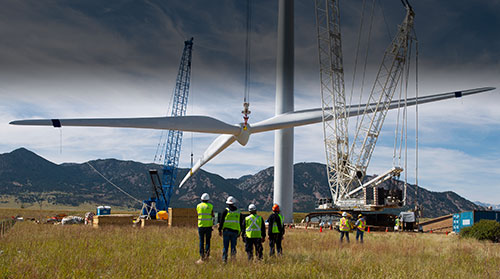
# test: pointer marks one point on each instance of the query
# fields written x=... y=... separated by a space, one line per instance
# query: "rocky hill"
x=29 y=179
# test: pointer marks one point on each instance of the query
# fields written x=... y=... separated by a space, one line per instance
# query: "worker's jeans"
x=359 y=234
x=342 y=236
x=275 y=240
x=229 y=236
x=250 y=243
x=205 y=234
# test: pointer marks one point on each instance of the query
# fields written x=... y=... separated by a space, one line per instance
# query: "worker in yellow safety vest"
x=344 y=227
x=360 y=227
x=397 y=224
x=205 y=222
x=255 y=233
x=230 y=227
x=275 y=231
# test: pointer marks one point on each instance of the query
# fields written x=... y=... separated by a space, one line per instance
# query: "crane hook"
x=245 y=112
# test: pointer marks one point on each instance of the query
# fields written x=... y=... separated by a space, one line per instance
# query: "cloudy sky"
x=80 y=58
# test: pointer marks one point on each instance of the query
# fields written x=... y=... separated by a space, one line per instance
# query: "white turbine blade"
x=218 y=145
x=288 y=120
x=191 y=123
x=311 y=116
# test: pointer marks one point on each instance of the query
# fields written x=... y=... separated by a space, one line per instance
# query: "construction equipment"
x=172 y=147
x=347 y=162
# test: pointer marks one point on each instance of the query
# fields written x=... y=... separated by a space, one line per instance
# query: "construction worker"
x=230 y=227
x=255 y=233
x=275 y=231
x=397 y=224
x=344 y=227
x=360 y=228
x=205 y=222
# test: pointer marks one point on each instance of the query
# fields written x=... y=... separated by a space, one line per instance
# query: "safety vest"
x=253 y=225
x=205 y=210
x=397 y=222
x=275 y=225
x=344 y=225
x=362 y=224
x=232 y=220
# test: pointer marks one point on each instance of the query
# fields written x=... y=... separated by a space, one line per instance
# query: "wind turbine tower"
x=283 y=139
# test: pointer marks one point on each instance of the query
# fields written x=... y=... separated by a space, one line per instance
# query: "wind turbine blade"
x=190 y=123
x=288 y=120
x=311 y=116
x=218 y=145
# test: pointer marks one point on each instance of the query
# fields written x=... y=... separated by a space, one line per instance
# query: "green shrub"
x=466 y=232
x=483 y=230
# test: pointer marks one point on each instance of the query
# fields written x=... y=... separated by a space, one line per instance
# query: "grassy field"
x=32 y=250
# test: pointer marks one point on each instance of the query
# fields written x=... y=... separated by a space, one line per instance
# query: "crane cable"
x=114 y=185
x=160 y=148
x=149 y=207
x=365 y=63
x=357 y=51
x=406 y=121
x=416 y=126
x=246 y=98
x=192 y=133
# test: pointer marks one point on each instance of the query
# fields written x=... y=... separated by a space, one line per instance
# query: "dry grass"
x=47 y=251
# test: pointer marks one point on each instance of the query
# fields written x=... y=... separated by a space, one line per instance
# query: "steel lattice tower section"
x=174 y=137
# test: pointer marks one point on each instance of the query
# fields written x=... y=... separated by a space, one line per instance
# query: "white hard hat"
x=230 y=200
x=252 y=207
x=205 y=197
x=344 y=214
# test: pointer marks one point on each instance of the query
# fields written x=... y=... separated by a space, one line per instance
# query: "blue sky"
x=120 y=59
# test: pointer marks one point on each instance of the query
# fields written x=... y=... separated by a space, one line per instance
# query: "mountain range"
x=486 y=205
x=29 y=179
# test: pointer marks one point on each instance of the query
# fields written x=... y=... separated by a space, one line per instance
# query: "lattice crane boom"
x=163 y=187
x=174 y=138
x=386 y=82
x=347 y=162
x=332 y=93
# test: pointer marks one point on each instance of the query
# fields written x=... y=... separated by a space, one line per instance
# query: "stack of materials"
x=182 y=217
x=115 y=219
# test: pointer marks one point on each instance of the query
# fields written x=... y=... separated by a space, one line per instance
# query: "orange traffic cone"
x=368 y=230
x=386 y=229
x=320 y=229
